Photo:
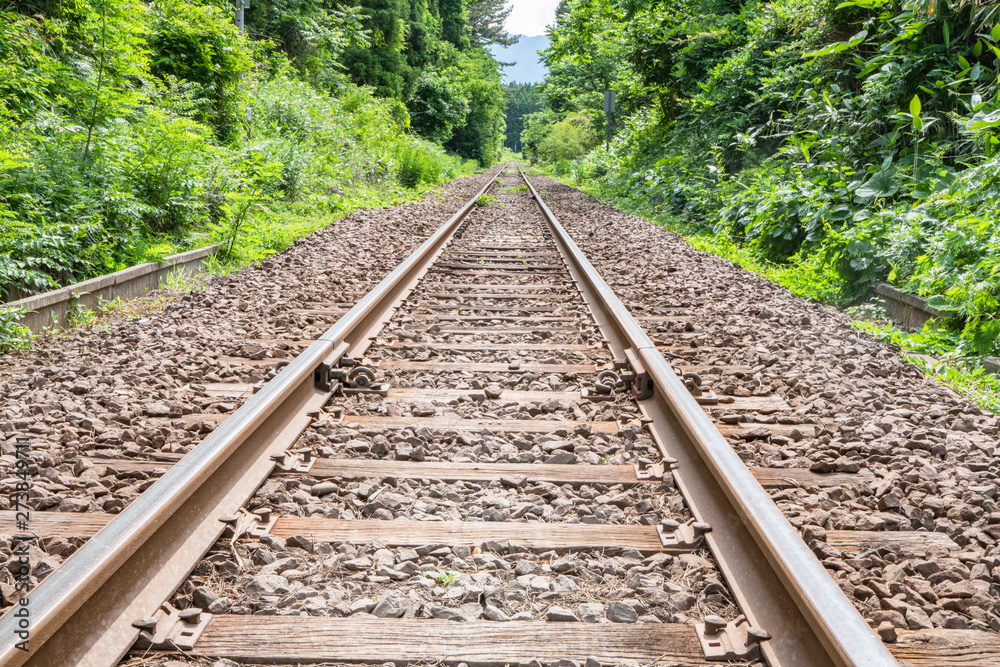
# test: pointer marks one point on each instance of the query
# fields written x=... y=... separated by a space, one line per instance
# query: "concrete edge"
x=909 y=310
x=51 y=309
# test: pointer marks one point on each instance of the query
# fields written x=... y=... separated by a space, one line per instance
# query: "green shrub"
x=417 y=166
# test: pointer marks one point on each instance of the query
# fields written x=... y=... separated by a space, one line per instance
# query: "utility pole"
x=609 y=108
x=241 y=6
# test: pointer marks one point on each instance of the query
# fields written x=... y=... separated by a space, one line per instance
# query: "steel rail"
x=778 y=583
x=82 y=614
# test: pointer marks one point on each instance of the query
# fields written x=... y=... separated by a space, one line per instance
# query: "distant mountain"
x=525 y=54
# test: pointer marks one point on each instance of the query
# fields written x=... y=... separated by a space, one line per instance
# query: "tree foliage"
x=127 y=127
x=860 y=136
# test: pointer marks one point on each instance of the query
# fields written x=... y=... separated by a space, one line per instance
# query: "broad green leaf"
x=942 y=303
x=660 y=163
x=947 y=35
x=995 y=33
x=838 y=213
x=918 y=123
x=964 y=63
x=915 y=106
x=977 y=50
x=881 y=184
x=805 y=153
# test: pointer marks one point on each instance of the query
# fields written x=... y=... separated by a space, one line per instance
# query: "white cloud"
x=530 y=17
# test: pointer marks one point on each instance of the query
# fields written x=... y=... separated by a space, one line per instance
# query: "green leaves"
x=838 y=47
x=918 y=123
x=883 y=183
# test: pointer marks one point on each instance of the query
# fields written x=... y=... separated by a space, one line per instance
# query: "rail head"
x=810 y=619
x=82 y=613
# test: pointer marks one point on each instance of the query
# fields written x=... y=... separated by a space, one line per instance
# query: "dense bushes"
x=129 y=131
x=857 y=136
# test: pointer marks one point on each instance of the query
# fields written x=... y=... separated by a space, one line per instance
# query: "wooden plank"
x=505 y=287
x=497 y=295
x=474 y=425
x=500 y=253
x=769 y=402
x=910 y=540
x=57 y=524
x=476 y=472
x=737 y=430
x=445 y=366
x=430 y=394
x=287 y=341
x=243 y=361
x=484 y=309
x=495 y=273
x=504 y=331
x=318 y=639
x=496 y=260
x=938 y=647
x=784 y=478
x=328 y=312
x=525 y=319
x=523 y=268
x=534 y=535
x=658 y=319
x=497 y=347
x=581 y=473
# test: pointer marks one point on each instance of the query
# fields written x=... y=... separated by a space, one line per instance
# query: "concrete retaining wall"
x=51 y=309
x=909 y=310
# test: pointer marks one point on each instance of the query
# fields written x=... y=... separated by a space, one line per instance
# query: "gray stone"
x=619 y=612
x=590 y=612
x=391 y=608
x=362 y=605
x=491 y=613
x=323 y=488
x=561 y=457
x=203 y=597
x=300 y=542
x=267 y=584
x=447 y=613
x=560 y=614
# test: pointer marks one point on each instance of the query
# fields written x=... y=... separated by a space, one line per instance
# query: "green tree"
x=383 y=66
x=454 y=23
x=438 y=106
x=198 y=43
x=521 y=100
x=481 y=137
x=486 y=23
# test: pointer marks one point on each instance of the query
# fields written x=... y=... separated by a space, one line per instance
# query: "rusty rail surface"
x=778 y=583
x=83 y=613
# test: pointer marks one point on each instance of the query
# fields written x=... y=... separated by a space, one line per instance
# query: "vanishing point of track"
x=524 y=290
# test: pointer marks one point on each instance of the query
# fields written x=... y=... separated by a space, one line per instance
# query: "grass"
x=14 y=336
x=485 y=200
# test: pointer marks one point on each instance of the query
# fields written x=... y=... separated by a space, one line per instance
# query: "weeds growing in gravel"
x=14 y=336
x=485 y=200
x=933 y=349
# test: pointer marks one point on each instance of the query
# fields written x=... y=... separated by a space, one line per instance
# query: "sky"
x=531 y=16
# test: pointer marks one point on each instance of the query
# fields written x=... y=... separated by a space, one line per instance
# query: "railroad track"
x=488 y=437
